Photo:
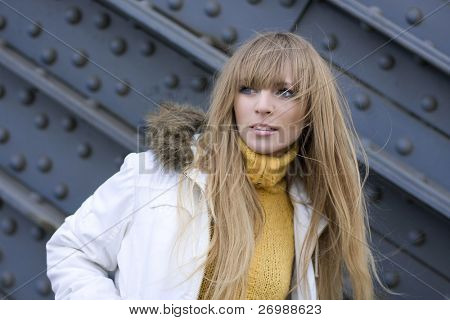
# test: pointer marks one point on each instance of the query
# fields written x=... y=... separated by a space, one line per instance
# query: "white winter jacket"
x=128 y=228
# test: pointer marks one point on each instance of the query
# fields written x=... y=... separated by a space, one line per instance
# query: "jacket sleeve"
x=85 y=246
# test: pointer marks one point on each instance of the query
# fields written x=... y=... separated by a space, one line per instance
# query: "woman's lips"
x=263 y=130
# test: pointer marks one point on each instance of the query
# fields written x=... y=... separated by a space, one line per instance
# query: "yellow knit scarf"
x=266 y=171
x=270 y=269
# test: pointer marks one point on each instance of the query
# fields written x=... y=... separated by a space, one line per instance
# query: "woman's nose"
x=265 y=104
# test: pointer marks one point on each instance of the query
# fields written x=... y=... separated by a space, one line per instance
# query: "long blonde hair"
x=326 y=163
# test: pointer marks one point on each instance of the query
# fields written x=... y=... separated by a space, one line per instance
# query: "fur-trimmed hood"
x=169 y=132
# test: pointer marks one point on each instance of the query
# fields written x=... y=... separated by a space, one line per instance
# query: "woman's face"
x=266 y=120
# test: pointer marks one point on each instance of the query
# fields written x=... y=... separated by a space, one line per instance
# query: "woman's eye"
x=285 y=93
x=246 y=90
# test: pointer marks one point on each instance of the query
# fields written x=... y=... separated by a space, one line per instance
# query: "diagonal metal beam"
x=407 y=178
x=187 y=42
x=87 y=109
x=29 y=203
x=408 y=40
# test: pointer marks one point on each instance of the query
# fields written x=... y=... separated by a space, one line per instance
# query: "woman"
x=234 y=204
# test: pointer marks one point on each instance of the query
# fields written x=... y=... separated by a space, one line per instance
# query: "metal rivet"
x=2 y=22
x=49 y=55
x=287 y=3
x=118 y=46
x=4 y=135
x=2 y=91
x=27 y=96
x=148 y=48
x=212 y=8
x=69 y=123
x=7 y=279
x=8 y=226
x=330 y=42
x=198 y=83
x=175 y=4
x=41 y=121
x=34 y=29
x=44 y=164
x=43 y=287
x=92 y=103
x=84 y=150
x=253 y=1
x=362 y=101
x=80 y=58
x=18 y=162
x=386 y=62
x=229 y=35
x=37 y=233
x=207 y=39
x=61 y=191
x=122 y=88
x=73 y=15
x=41 y=71
x=93 y=83
x=36 y=197
x=391 y=279
x=375 y=10
x=404 y=146
x=428 y=103
x=102 y=20
x=416 y=237
x=171 y=81
x=414 y=16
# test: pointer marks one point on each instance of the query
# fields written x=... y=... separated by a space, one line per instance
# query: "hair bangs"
x=268 y=62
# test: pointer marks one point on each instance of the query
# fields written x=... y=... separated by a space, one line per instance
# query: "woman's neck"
x=266 y=171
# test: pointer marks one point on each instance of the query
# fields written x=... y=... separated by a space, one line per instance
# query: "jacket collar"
x=196 y=174
x=296 y=191
x=299 y=196
x=171 y=131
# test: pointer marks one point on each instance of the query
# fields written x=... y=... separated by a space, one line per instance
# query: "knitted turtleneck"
x=270 y=271
x=267 y=172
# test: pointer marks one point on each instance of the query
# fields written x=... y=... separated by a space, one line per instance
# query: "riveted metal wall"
x=76 y=78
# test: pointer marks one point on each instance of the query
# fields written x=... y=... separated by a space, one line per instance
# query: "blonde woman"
x=260 y=198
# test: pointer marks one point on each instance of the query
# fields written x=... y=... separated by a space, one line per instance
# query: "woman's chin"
x=269 y=150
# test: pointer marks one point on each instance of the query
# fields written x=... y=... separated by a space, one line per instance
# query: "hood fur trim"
x=169 y=132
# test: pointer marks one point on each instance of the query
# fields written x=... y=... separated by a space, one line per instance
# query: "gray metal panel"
x=116 y=50
x=188 y=43
x=405 y=276
x=411 y=226
x=22 y=261
x=232 y=21
x=394 y=118
x=397 y=132
x=29 y=203
x=384 y=67
x=411 y=36
x=410 y=14
x=87 y=109
x=48 y=146
x=399 y=105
